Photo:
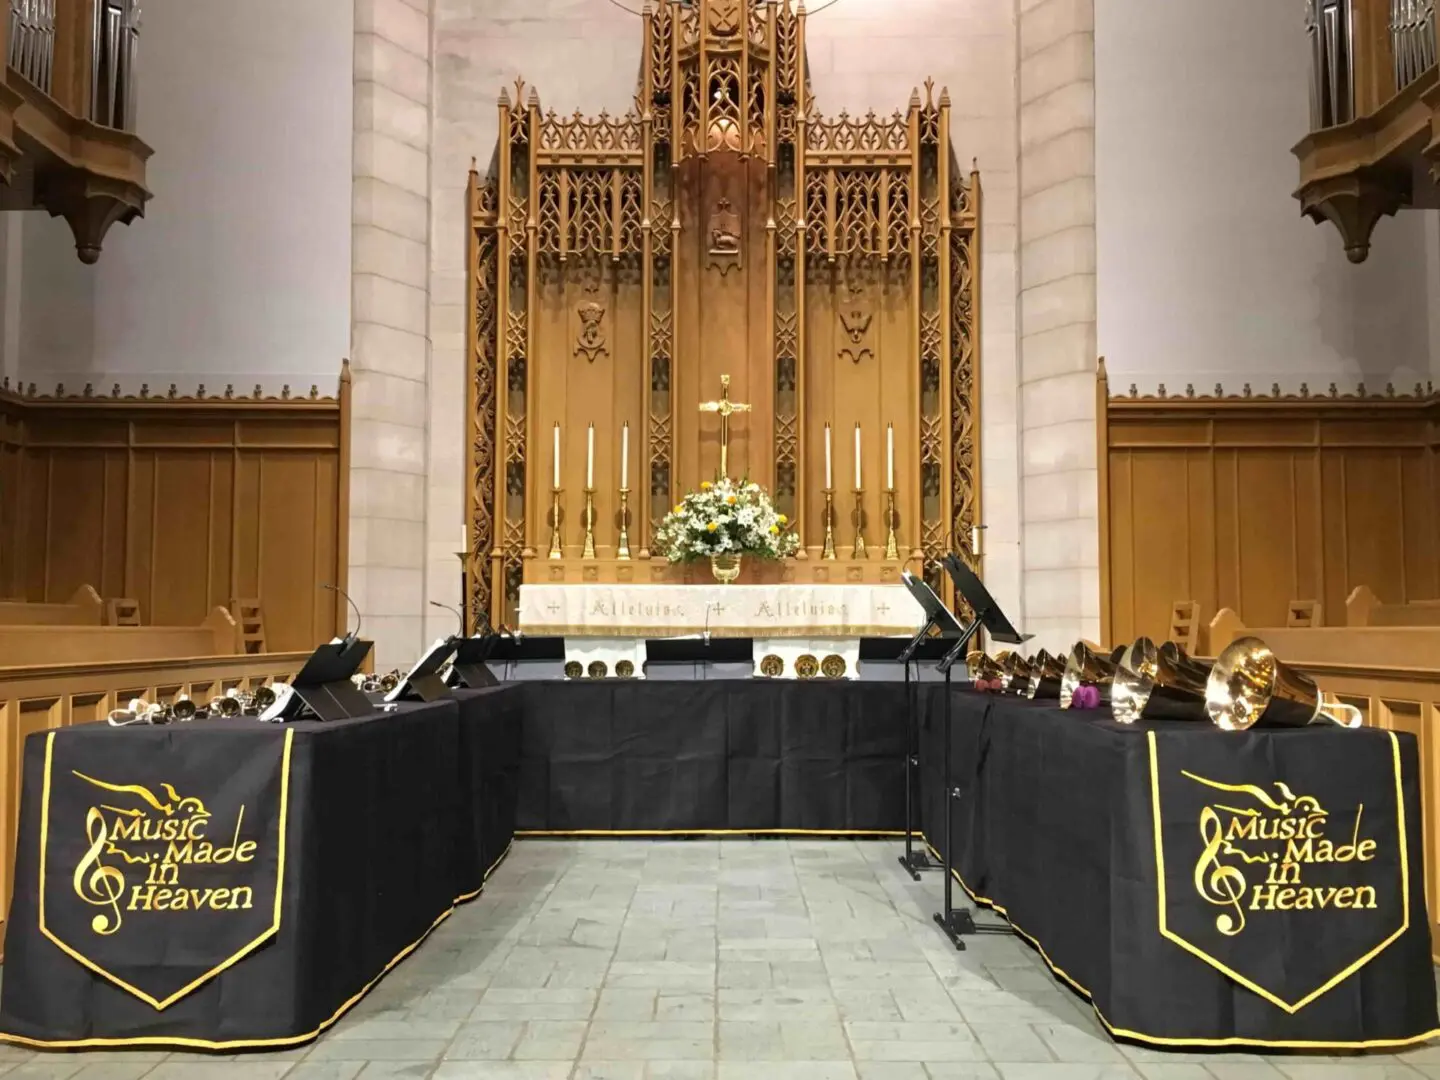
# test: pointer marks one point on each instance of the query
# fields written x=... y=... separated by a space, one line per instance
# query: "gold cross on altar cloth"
x=724 y=407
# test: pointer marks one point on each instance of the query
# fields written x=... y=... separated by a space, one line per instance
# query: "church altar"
x=760 y=611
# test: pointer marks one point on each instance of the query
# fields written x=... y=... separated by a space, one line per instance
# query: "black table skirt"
x=742 y=756
x=1054 y=829
x=391 y=821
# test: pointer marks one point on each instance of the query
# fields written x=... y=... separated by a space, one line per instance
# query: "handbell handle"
x=1332 y=711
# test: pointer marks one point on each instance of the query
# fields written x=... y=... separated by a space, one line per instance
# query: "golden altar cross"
x=724 y=407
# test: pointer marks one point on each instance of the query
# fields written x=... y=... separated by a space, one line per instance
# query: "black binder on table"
x=323 y=687
x=880 y=658
x=423 y=681
x=470 y=668
x=699 y=658
x=521 y=658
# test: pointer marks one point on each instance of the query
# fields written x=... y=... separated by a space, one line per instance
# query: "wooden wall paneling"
x=180 y=537
x=821 y=404
x=1283 y=499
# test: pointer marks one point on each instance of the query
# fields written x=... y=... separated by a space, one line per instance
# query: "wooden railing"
x=53 y=696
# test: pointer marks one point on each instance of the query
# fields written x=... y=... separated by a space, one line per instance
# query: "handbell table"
x=1203 y=888
x=229 y=884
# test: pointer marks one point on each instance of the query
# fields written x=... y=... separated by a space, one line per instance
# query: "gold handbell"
x=225 y=705
x=262 y=698
x=182 y=708
x=389 y=681
x=1250 y=686
x=1086 y=667
x=1046 y=674
x=983 y=668
x=1017 y=671
x=1158 y=684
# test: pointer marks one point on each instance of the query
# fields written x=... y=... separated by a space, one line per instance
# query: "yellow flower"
x=774 y=530
x=781 y=518
x=711 y=527
x=705 y=485
x=679 y=508
x=730 y=499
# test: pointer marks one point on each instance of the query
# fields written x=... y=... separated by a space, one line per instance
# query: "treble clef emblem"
x=96 y=883
x=1217 y=883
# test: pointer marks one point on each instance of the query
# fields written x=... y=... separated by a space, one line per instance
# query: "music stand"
x=957 y=922
x=525 y=658
x=937 y=616
x=423 y=681
x=323 y=685
x=665 y=658
x=469 y=668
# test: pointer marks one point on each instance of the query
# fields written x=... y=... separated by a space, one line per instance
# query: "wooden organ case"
x=619 y=266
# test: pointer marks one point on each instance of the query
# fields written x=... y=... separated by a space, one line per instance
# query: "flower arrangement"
x=728 y=517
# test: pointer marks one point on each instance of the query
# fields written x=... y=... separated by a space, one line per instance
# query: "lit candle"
x=975 y=540
x=858 y=484
x=590 y=457
x=556 y=455
x=829 y=483
x=890 y=457
x=625 y=454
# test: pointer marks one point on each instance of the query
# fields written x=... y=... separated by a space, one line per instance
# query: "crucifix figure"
x=724 y=407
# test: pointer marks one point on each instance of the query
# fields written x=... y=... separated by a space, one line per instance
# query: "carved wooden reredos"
x=618 y=266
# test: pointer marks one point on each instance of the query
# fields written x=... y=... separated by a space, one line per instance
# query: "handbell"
x=225 y=705
x=1086 y=667
x=983 y=668
x=1017 y=671
x=182 y=708
x=263 y=698
x=1249 y=686
x=389 y=681
x=1046 y=674
x=1158 y=684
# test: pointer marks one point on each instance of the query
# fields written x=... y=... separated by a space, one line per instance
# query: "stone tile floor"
x=699 y=960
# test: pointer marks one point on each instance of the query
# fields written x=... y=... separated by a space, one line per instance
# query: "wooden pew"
x=40 y=697
x=22 y=646
x=1392 y=675
x=1363 y=608
x=85 y=608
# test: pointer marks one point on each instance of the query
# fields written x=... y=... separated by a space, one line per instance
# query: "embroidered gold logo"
x=1247 y=857
x=152 y=884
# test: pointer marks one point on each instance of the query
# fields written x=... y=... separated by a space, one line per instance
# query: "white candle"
x=975 y=540
x=556 y=456
x=829 y=483
x=858 y=484
x=625 y=454
x=890 y=457
x=590 y=456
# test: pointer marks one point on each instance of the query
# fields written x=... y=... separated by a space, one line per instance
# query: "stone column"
x=390 y=323
x=1060 y=552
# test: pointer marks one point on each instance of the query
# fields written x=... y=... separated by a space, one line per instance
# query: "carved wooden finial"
x=1360 y=389
x=1189 y=389
x=314 y=392
x=1275 y=389
x=200 y=391
x=145 y=389
x=172 y=392
x=30 y=390
x=1245 y=390
x=1134 y=390
x=258 y=393
x=285 y=392
x=1389 y=389
x=504 y=97
x=59 y=389
x=534 y=99
x=1334 y=391
x=345 y=370
x=115 y=390
x=1304 y=389
x=915 y=99
x=1160 y=391
x=229 y=390
x=944 y=97
x=1219 y=390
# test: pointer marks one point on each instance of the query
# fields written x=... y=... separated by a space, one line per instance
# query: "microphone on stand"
x=705 y=634
x=454 y=611
x=350 y=636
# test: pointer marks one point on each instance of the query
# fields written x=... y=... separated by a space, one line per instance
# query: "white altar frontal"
x=611 y=621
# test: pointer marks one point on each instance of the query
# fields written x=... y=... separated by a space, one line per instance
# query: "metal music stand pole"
x=913 y=861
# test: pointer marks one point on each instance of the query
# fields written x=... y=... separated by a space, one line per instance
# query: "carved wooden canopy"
x=618 y=266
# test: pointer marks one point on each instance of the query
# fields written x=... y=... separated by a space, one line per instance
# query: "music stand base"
x=960 y=923
x=916 y=863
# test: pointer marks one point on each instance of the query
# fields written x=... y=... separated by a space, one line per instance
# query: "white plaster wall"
x=1207 y=271
x=239 y=273
x=586 y=53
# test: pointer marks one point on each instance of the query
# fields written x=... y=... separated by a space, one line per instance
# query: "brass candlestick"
x=860 y=550
x=556 y=550
x=829 y=550
x=622 y=551
x=588 y=551
x=892 y=545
